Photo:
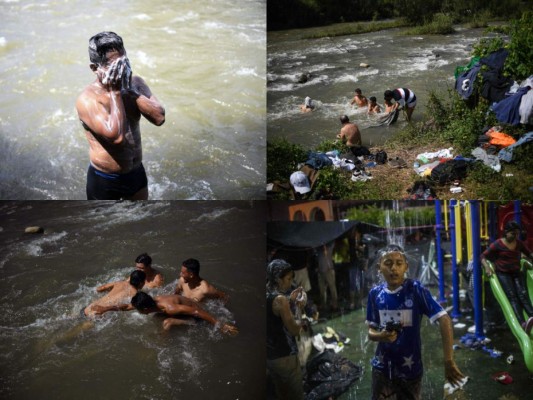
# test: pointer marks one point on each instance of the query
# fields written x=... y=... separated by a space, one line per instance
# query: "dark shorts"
x=102 y=186
x=405 y=389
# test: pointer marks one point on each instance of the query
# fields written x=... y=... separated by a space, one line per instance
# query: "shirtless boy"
x=359 y=99
x=110 y=110
x=175 y=305
x=119 y=292
x=349 y=133
x=170 y=306
x=373 y=106
x=154 y=278
x=192 y=286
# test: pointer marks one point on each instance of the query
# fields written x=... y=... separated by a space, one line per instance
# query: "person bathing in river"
x=154 y=278
x=119 y=292
x=170 y=306
x=308 y=105
x=373 y=106
x=404 y=98
x=359 y=99
x=110 y=110
x=192 y=286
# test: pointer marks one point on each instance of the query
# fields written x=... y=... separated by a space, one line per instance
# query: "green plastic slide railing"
x=525 y=341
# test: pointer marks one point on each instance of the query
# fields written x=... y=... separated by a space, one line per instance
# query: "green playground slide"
x=525 y=341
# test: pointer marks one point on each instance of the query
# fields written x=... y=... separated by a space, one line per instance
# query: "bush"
x=519 y=63
x=440 y=24
x=282 y=159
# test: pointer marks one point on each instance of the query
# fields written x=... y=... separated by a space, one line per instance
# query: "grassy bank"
x=448 y=123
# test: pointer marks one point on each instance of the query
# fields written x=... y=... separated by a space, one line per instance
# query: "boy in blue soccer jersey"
x=394 y=312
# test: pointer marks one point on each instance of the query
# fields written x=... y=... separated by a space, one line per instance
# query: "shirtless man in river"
x=110 y=110
x=154 y=278
x=120 y=292
x=192 y=286
x=171 y=306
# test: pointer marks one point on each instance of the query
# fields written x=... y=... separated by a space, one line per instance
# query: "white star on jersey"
x=408 y=362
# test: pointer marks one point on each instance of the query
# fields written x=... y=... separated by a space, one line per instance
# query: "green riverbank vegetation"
x=292 y=14
x=449 y=122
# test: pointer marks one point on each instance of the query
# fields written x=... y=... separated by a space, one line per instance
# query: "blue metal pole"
x=438 y=228
x=493 y=222
x=478 y=305
x=517 y=211
x=456 y=311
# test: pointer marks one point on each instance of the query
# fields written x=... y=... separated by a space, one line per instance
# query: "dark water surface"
x=48 y=279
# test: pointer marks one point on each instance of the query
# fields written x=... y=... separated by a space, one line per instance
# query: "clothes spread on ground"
x=464 y=84
x=507 y=110
x=443 y=153
x=487 y=159
x=328 y=375
x=498 y=138
x=318 y=160
x=506 y=154
x=406 y=305
x=450 y=171
x=425 y=170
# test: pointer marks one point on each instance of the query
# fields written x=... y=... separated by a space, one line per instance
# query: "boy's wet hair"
x=144 y=258
x=388 y=94
x=143 y=301
x=137 y=277
x=103 y=42
x=391 y=248
x=373 y=98
x=192 y=265
x=358 y=91
x=344 y=119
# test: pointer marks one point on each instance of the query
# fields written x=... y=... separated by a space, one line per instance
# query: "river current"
x=394 y=60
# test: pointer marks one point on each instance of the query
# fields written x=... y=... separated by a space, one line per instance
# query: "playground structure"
x=468 y=223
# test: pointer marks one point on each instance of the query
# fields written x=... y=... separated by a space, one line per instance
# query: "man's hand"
x=388 y=336
x=118 y=75
x=229 y=329
x=452 y=373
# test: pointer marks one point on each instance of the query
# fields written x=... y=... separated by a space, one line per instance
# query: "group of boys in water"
x=177 y=308
x=403 y=99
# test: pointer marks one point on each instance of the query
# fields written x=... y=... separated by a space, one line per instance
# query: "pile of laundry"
x=511 y=102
